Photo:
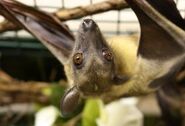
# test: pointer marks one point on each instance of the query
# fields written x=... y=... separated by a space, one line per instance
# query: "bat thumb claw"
x=70 y=101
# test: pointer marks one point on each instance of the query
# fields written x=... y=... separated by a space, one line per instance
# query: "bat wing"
x=45 y=27
x=161 y=38
x=168 y=9
x=162 y=41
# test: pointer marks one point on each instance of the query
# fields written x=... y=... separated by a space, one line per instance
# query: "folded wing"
x=162 y=35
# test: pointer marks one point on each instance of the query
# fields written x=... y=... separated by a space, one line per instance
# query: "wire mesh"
x=111 y=22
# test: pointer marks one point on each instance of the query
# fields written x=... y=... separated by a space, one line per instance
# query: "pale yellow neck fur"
x=125 y=52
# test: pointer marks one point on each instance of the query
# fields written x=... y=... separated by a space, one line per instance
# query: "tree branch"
x=81 y=11
x=14 y=91
x=74 y=13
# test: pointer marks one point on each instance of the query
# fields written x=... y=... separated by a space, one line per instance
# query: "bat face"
x=92 y=60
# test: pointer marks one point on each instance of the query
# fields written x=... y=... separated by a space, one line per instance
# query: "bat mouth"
x=87 y=94
x=92 y=91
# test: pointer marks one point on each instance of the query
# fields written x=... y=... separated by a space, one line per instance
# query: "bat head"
x=93 y=67
x=93 y=61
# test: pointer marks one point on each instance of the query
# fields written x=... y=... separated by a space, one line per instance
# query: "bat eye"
x=107 y=54
x=78 y=58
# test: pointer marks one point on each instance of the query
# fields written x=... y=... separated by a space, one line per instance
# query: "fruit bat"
x=113 y=68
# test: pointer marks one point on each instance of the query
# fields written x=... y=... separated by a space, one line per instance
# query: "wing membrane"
x=45 y=27
x=161 y=38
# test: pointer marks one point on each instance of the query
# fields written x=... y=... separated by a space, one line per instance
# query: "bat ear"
x=70 y=101
x=45 y=27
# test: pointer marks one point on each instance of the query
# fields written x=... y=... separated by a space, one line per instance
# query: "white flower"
x=121 y=113
x=46 y=116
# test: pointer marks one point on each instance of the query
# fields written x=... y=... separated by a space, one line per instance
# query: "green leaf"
x=91 y=112
x=55 y=92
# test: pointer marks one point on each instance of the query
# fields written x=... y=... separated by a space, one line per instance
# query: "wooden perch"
x=8 y=26
x=22 y=92
x=81 y=11
x=14 y=91
x=74 y=13
x=21 y=86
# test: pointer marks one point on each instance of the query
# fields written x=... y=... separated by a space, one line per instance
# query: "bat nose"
x=88 y=24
